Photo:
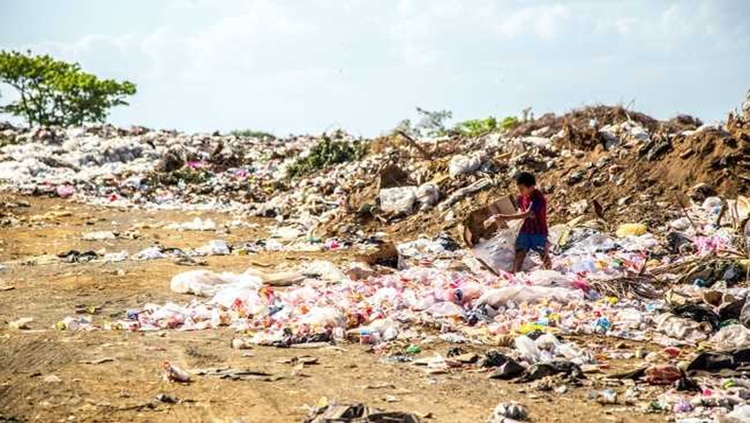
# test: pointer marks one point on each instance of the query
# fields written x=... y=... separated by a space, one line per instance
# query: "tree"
x=53 y=92
x=430 y=124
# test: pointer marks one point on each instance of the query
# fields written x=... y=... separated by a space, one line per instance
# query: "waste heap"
x=624 y=164
x=671 y=272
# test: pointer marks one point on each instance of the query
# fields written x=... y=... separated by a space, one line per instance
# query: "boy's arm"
x=494 y=218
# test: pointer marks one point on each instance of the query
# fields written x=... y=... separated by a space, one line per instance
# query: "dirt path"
x=44 y=375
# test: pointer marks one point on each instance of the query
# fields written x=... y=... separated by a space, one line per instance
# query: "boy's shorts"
x=526 y=242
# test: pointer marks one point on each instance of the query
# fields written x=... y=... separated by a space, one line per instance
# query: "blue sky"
x=311 y=65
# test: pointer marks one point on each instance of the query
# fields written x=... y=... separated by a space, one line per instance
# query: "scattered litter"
x=99 y=236
x=21 y=324
x=508 y=410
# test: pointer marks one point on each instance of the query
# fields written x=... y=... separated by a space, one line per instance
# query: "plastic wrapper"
x=630 y=229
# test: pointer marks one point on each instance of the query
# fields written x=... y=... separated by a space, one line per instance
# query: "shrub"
x=250 y=133
x=325 y=153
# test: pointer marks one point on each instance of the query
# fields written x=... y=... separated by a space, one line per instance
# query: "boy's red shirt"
x=536 y=222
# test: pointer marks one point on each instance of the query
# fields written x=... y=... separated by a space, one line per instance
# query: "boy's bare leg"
x=518 y=262
x=546 y=260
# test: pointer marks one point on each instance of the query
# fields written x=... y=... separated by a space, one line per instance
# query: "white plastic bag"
x=196 y=224
x=499 y=252
x=460 y=164
x=446 y=309
x=527 y=348
x=428 y=195
x=399 y=200
x=199 y=282
x=150 y=253
x=324 y=317
x=730 y=337
x=682 y=328
x=550 y=278
x=217 y=247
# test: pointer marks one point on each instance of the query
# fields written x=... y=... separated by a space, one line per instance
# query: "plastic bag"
x=630 y=229
x=527 y=348
x=428 y=195
x=150 y=253
x=324 y=270
x=740 y=414
x=446 y=309
x=499 y=252
x=550 y=278
x=116 y=257
x=99 y=236
x=730 y=337
x=199 y=282
x=242 y=298
x=681 y=328
x=196 y=224
x=460 y=164
x=324 y=317
x=399 y=200
x=216 y=247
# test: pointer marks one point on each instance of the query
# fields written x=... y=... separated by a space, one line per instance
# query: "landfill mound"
x=623 y=165
x=605 y=161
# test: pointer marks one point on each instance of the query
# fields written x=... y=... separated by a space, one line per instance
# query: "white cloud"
x=542 y=21
x=310 y=61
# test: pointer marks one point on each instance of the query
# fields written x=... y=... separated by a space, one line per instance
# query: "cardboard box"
x=473 y=229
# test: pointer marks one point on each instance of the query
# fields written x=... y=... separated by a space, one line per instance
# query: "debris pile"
x=622 y=163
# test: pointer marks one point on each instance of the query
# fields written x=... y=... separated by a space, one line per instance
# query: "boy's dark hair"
x=526 y=179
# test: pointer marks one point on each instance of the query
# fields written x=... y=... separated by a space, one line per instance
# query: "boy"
x=534 y=232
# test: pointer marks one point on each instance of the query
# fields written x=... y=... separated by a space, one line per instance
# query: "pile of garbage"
x=650 y=244
x=681 y=285
x=622 y=163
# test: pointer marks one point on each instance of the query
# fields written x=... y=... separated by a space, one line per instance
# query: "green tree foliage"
x=249 y=133
x=508 y=123
x=325 y=153
x=476 y=127
x=53 y=92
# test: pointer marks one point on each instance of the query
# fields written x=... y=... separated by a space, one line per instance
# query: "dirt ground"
x=124 y=389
